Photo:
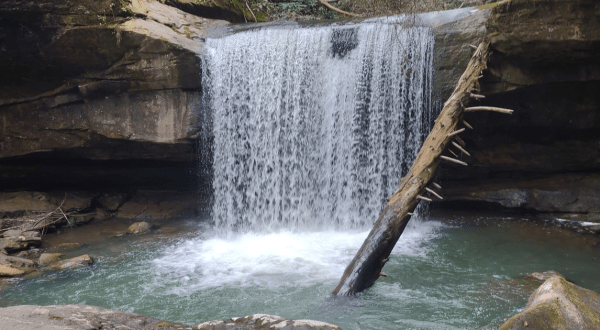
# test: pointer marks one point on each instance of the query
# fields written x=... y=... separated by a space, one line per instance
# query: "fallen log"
x=366 y=266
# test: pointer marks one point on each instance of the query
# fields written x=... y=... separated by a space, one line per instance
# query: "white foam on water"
x=276 y=259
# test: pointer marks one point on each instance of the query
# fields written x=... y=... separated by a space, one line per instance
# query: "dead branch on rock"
x=365 y=268
x=41 y=220
x=326 y=4
x=251 y=12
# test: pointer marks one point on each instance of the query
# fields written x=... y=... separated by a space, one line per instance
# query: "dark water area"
x=454 y=270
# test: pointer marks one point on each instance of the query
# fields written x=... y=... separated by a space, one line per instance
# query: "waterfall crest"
x=313 y=127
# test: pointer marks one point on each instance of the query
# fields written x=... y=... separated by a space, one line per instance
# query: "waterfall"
x=313 y=127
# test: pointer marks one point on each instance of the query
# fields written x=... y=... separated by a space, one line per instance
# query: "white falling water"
x=313 y=127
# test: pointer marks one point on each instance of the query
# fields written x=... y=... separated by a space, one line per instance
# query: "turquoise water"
x=454 y=271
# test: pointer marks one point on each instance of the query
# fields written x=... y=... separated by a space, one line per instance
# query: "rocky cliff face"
x=101 y=94
x=105 y=89
x=545 y=157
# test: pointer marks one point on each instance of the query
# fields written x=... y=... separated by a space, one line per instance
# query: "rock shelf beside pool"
x=84 y=317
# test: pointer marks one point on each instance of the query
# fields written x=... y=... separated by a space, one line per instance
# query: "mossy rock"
x=229 y=10
x=558 y=304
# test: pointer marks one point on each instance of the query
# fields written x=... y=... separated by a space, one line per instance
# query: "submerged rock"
x=77 y=262
x=558 y=304
x=68 y=246
x=264 y=321
x=139 y=228
x=80 y=317
x=49 y=258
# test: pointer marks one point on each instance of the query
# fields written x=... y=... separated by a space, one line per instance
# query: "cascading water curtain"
x=313 y=127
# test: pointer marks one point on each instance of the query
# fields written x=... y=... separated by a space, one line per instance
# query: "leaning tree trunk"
x=366 y=266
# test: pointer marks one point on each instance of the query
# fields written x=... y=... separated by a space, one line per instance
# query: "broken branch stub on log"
x=456 y=132
x=501 y=110
x=450 y=159
x=461 y=148
x=366 y=266
x=461 y=141
x=433 y=193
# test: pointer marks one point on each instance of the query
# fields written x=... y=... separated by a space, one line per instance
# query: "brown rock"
x=14 y=244
x=77 y=262
x=139 y=228
x=49 y=258
x=264 y=321
x=114 y=78
x=9 y=271
x=543 y=276
x=69 y=317
x=17 y=262
x=558 y=304
x=111 y=202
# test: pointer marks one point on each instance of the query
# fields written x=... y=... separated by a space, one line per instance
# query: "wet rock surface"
x=77 y=317
x=82 y=317
x=264 y=321
x=558 y=304
x=139 y=228
x=18 y=262
x=10 y=271
x=73 y=263
x=49 y=258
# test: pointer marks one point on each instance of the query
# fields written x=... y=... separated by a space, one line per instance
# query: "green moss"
x=573 y=295
x=487 y=6
x=163 y=324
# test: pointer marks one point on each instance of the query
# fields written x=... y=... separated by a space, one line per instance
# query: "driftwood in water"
x=366 y=266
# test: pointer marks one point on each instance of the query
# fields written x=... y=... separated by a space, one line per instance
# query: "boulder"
x=139 y=228
x=81 y=317
x=77 y=262
x=542 y=277
x=49 y=258
x=18 y=262
x=111 y=202
x=15 y=244
x=9 y=271
x=558 y=304
x=264 y=321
